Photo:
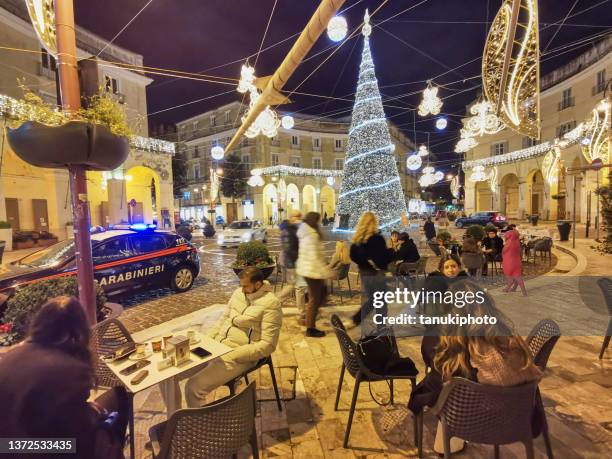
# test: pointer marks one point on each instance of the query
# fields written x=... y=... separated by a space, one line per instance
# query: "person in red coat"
x=511 y=262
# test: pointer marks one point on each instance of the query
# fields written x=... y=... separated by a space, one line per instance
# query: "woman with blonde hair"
x=370 y=253
x=341 y=257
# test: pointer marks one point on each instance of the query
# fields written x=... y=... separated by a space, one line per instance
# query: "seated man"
x=492 y=246
x=252 y=310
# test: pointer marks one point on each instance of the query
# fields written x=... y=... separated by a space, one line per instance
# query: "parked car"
x=241 y=231
x=482 y=218
x=124 y=260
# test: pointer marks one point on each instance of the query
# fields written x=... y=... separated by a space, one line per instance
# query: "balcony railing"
x=567 y=103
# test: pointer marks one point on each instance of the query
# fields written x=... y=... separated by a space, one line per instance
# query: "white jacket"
x=259 y=312
x=311 y=261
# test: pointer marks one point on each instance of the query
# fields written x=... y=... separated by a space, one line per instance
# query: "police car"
x=124 y=260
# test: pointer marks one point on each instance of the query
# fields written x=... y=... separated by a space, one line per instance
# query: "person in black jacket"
x=430 y=229
x=492 y=246
x=407 y=252
x=46 y=380
x=288 y=258
x=370 y=253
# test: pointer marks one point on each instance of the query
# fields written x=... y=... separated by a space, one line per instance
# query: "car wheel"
x=182 y=279
x=459 y=224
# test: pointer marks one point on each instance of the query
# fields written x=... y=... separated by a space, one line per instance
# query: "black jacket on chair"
x=407 y=253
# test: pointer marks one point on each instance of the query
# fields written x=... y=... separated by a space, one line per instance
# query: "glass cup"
x=141 y=349
x=156 y=344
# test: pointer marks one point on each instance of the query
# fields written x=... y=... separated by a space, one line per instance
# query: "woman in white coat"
x=311 y=265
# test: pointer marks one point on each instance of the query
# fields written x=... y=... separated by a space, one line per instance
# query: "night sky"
x=427 y=41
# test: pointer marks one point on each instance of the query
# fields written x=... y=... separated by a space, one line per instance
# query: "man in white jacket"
x=250 y=325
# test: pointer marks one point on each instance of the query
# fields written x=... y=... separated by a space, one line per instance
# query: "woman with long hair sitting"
x=340 y=258
x=46 y=380
x=490 y=353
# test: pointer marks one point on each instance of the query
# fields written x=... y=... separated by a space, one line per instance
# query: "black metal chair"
x=491 y=415
x=219 y=429
x=343 y=274
x=605 y=284
x=542 y=340
x=281 y=272
x=263 y=362
x=543 y=247
x=352 y=361
x=435 y=248
x=107 y=336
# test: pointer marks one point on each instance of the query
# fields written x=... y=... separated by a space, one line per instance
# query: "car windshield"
x=52 y=255
x=241 y=225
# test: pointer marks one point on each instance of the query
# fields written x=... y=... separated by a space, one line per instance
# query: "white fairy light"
x=217 y=152
x=423 y=151
x=330 y=181
x=247 y=79
x=413 y=162
x=296 y=171
x=439 y=175
x=455 y=187
x=287 y=122
x=484 y=121
x=431 y=103
x=267 y=122
x=430 y=177
x=337 y=28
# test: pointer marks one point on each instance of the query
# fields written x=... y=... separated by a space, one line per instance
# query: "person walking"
x=288 y=259
x=46 y=380
x=511 y=262
x=370 y=253
x=430 y=229
x=311 y=265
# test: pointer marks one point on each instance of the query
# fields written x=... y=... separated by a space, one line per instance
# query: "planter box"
x=46 y=242
x=74 y=143
x=6 y=235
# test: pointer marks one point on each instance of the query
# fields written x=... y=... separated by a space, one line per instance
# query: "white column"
x=524 y=194
x=117 y=201
x=470 y=197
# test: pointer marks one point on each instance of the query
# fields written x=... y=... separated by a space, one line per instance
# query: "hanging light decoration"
x=255 y=180
x=455 y=187
x=330 y=181
x=493 y=179
x=511 y=66
x=414 y=162
x=441 y=123
x=439 y=175
x=431 y=103
x=550 y=165
x=478 y=174
x=466 y=143
x=423 y=151
x=596 y=143
x=267 y=122
x=430 y=177
x=287 y=122
x=337 y=28
x=484 y=121
x=217 y=152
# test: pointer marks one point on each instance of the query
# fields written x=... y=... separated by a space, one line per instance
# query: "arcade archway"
x=309 y=199
x=509 y=195
x=270 y=204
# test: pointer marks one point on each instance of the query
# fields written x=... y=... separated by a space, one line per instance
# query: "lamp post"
x=71 y=101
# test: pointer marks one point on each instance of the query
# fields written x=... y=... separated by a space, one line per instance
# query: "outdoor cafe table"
x=168 y=376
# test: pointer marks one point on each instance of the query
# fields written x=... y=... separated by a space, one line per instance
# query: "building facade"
x=313 y=143
x=524 y=180
x=33 y=198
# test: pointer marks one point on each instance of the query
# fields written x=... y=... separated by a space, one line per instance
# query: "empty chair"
x=343 y=274
x=491 y=415
x=352 y=361
x=605 y=284
x=542 y=340
x=220 y=429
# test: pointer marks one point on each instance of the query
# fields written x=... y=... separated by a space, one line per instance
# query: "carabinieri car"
x=124 y=260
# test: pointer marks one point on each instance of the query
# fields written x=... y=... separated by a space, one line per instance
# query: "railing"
x=566 y=103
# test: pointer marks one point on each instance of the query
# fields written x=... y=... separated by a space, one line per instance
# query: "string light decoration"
x=484 y=121
x=414 y=162
x=478 y=174
x=423 y=151
x=550 y=165
x=465 y=143
x=511 y=66
x=337 y=28
x=19 y=110
x=441 y=124
x=330 y=181
x=42 y=15
x=256 y=180
x=267 y=122
x=596 y=142
x=431 y=103
x=493 y=179
x=455 y=187
x=295 y=171
x=371 y=179
x=430 y=177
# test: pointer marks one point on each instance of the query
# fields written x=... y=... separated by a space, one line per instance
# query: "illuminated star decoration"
x=371 y=180
x=431 y=103
x=267 y=122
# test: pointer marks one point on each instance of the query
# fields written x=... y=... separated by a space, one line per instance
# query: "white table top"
x=174 y=327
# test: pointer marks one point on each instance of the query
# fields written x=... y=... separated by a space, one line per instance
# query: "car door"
x=149 y=264
x=111 y=264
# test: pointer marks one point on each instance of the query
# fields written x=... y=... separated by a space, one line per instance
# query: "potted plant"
x=26 y=302
x=253 y=253
x=69 y=230
x=476 y=232
x=6 y=235
x=95 y=137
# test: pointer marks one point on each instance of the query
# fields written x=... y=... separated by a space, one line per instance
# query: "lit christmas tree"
x=371 y=181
